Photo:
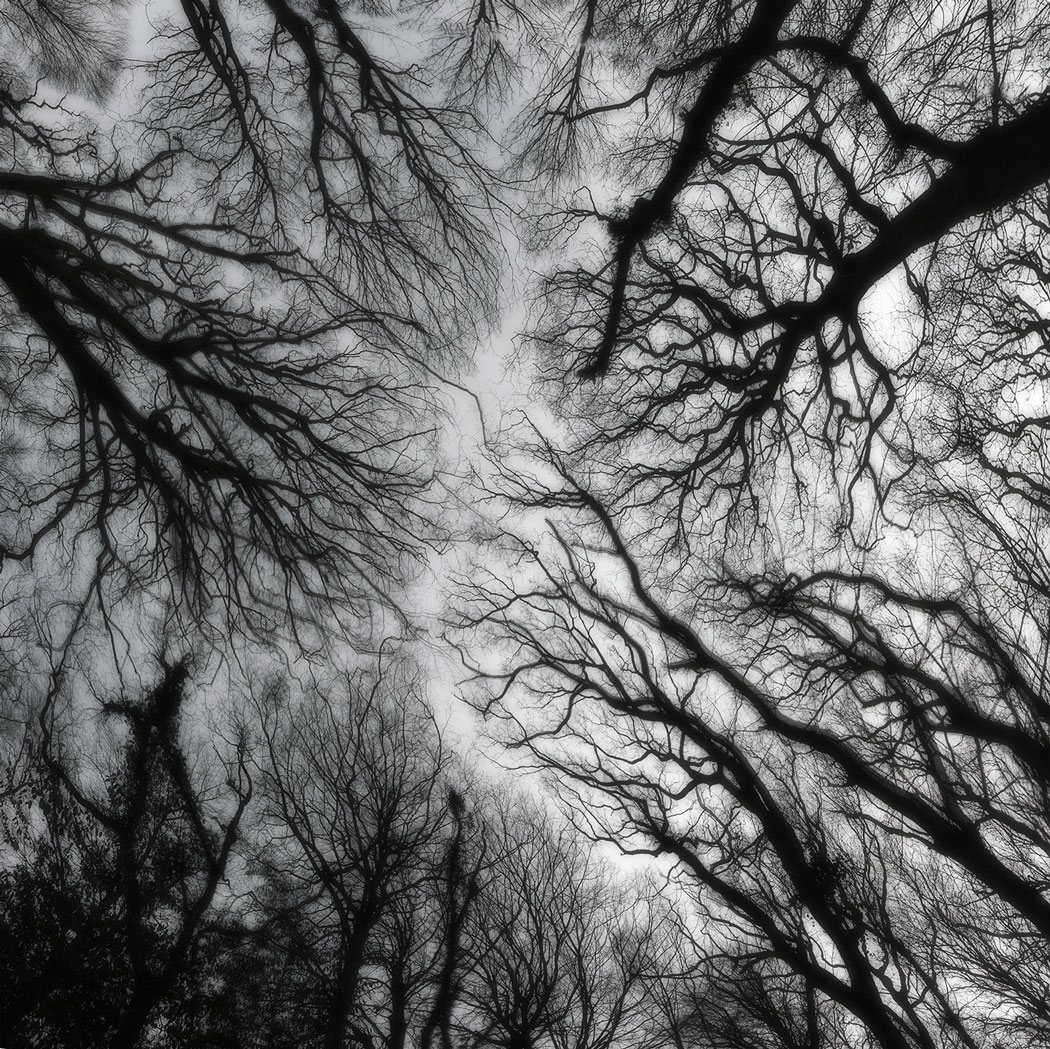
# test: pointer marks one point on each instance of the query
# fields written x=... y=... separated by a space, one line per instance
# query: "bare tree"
x=769 y=174
x=362 y=838
x=787 y=626
x=401 y=909
x=561 y=954
x=847 y=776
x=215 y=308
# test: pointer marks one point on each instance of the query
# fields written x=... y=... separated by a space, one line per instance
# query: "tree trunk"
x=351 y=959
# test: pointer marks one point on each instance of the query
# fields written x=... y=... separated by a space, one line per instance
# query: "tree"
x=363 y=855
x=110 y=880
x=850 y=790
x=560 y=956
x=232 y=258
x=216 y=299
x=788 y=626
x=397 y=907
x=781 y=627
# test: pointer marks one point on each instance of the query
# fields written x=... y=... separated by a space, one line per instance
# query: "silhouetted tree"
x=560 y=955
x=787 y=628
x=364 y=855
x=110 y=880
x=216 y=289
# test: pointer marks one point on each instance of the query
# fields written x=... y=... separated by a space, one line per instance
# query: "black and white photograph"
x=524 y=524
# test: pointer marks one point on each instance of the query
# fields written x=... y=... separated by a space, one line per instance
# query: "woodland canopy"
x=525 y=525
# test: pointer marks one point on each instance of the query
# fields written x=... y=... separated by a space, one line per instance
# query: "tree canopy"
x=746 y=559
x=787 y=628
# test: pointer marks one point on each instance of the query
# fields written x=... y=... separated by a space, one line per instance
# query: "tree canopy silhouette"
x=768 y=598
x=217 y=270
x=787 y=627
